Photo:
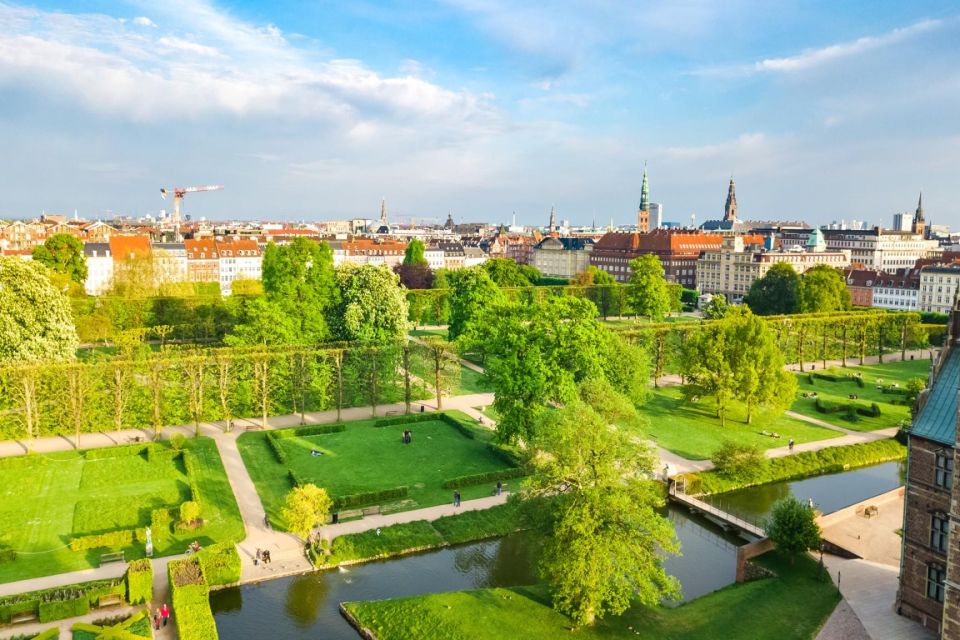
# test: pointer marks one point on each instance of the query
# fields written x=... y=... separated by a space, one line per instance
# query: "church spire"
x=730 y=209
x=553 y=219
x=645 y=191
x=919 y=224
x=918 y=217
x=383 y=210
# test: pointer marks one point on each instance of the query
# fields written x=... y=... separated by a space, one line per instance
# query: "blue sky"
x=314 y=110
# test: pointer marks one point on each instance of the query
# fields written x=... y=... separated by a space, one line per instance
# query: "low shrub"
x=482 y=523
x=739 y=461
x=115 y=452
x=296 y=479
x=124 y=628
x=411 y=418
x=485 y=477
x=801 y=465
x=302 y=432
x=139 y=581
x=872 y=411
x=110 y=540
x=827 y=406
x=7 y=555
x=220 y=564
x=177 y=441
x=50 y=634
x=371 y=497
x=156 y=453
x=278 y=451
x=61 y=609
x=830 y=377
x=193 y=473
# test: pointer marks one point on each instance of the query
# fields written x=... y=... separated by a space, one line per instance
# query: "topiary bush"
x=220 y=564
x=139 y=581
x=189 y=516
x=60 y=609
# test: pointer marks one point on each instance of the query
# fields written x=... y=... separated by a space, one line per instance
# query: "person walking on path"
x=499 y=487
x=256 y=558
x=165 y=614
x=156 y=620
x=456 y=498
x=790 y=444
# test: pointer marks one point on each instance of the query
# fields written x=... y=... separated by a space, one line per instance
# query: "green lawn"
x=49 y=499
x=472 y=382
x=365 y=458
x=838 y=392
x=419 y=333
x=791 y=606
x=693 y=431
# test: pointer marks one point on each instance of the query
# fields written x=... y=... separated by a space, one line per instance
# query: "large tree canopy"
x=35 y=318
x=414 y=253
x=737 y=358
x=537 y=354
x=648 y=293
x=823 y=289
x=776 y=293
x=372 y=307
x=599 y=514
x=471 y=291
x=63 y=253
x=507 y=273
x=298 y=278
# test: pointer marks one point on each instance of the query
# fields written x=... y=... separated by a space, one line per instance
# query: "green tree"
x=776 y=293
x=716 y=308
x=739 y=461
x=648 y=293
x=823 y=289
x=599 y=287
x=471 y=292
x=372 y=307
x=306 y=508
x=507 y=273
x=36 y=322
x=414 y=254
x=793 y=527
x=603 y=535
x=63 y=253
x=299 y=279
x=263 y=323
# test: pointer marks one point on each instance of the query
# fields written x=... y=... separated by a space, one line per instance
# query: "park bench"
x=349 y=513
x=371 y=511
x=26 y=616
x=113 y=556
x=393 y=413
x=110 y=600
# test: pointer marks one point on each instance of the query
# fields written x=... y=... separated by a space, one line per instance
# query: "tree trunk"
x=406 y=377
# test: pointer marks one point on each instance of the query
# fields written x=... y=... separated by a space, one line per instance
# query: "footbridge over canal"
x=677 y=494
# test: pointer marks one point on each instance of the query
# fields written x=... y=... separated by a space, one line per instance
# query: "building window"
x=943 y=470
x=939 y=529
x=935 y=576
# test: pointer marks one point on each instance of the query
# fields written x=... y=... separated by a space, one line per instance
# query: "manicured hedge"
x=801 y=465
x=220 y=564
x=394 y=540
x=410 y=418
x=193 y=472
x=157 y=453
x=115 y=452
x=7 y=555
x=110 y=540
x=133 y=628
x=295 y=478
x=278 y=451
x=368 y=498
x=61 y=609
x=302 y=432
x=50 y=634
x=485 y=477
x=60 y=602
x=139 y=581
x=190 y=597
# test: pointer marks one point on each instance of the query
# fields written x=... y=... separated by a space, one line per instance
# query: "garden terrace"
x=62 y=511
x=883 y=385
x=361 y=463
x=692 y=430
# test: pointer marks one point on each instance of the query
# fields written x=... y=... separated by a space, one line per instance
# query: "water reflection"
x=306 y=607
x=828 y=492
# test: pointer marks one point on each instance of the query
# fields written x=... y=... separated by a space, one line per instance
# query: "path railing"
x=677 y=493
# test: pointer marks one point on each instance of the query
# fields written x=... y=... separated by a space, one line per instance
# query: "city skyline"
x=305 y=112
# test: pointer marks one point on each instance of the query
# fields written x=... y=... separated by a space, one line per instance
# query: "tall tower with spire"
x=643 y=213
x=730 y=209
x=919 y=224
x=553 y=220
x=383 y=211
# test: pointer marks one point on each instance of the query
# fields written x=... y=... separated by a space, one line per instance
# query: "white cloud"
x=220 y=65
x=143 y=21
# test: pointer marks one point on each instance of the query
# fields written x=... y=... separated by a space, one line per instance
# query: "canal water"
x=306 y=607
x=829 y=492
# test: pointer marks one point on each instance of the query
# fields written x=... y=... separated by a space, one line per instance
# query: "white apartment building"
x=897 y=291
x=239 y=259
x=938 y=288
x=880 y=249
x=171 y=261
x=99 y=268
x=732 y=269
x=434 y=256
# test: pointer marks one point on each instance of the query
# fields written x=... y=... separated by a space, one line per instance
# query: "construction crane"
x=179 y=192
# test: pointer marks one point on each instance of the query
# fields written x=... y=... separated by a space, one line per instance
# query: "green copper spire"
x=645 y=191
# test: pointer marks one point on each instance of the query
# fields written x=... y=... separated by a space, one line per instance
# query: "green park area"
x=365 y=464
x=692 y=429
x=790 y=606
x=883 y=385
x=62 y=511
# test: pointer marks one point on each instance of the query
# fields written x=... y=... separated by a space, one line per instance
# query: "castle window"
x=943 y=470
x=939 y=530
x=935 y=576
